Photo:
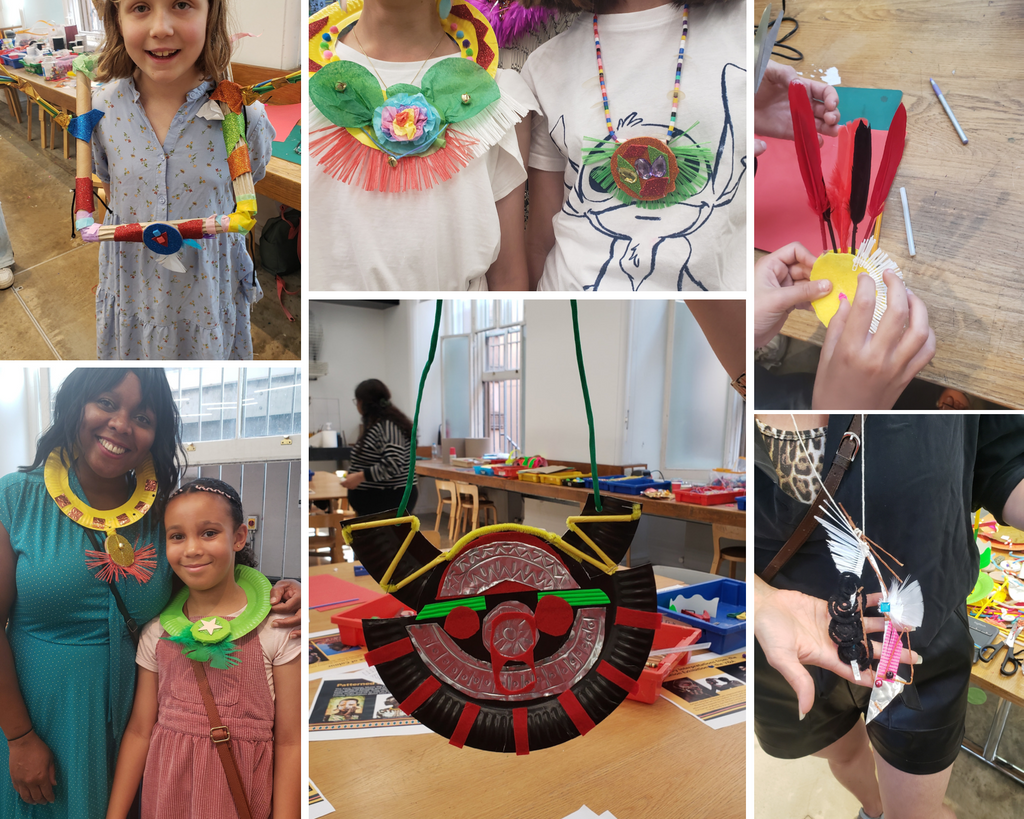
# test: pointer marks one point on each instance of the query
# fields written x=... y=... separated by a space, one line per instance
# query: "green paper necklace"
x=213 y=638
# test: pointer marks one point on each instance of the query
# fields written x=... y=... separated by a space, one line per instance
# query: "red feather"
x=839 y=186
x=808 y=154
x=891 y=156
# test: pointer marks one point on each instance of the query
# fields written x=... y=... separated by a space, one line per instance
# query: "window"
x=481 y=371
x=83 y=14
x=218 y=404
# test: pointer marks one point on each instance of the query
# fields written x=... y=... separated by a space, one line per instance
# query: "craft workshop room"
x=514 y=407
x=127 y=231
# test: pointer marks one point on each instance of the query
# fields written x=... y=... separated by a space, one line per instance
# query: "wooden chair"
x=470 y=501
x=13 y=101
x=452 y=501
x=333 y=539
x=733 y=554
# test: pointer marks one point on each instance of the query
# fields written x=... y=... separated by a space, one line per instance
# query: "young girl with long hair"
x=380 y=459
x=161 y=158
x=214 y=634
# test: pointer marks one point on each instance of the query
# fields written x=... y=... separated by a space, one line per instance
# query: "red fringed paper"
x=141 y=569
x=238 y=162
x=348 y=160
x=128 y=233
x=83 y=195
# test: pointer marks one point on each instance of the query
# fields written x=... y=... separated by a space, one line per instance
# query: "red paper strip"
x=466 y=720
x=192 y=229
x=637 y=619
x=576 y=712
x=420 y=695
x=392 y=651
x=520 y=732
x=616 y=677
x=128 y=233
x=83 y=195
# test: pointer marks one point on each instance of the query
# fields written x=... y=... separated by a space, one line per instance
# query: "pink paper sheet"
x=324 y=589
x=782 y=213
x=283 y=118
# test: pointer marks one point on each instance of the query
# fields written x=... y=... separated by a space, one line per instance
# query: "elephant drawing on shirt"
x=637 y=258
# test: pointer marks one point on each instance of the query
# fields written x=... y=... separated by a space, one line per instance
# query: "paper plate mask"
x=523 y=639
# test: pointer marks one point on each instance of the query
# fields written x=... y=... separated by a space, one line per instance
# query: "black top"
x=925 y=475
x=383 y=455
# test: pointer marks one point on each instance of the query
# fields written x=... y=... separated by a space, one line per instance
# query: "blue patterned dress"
x=144 y=310
x=74 y=659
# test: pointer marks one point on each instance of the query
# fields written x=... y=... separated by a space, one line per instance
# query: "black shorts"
x=918 y=733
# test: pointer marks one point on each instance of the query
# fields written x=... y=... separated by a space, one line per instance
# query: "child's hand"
x=771 y=105
x=782 y=283
x=32 y=771
x=860 y=371
x=286 y=598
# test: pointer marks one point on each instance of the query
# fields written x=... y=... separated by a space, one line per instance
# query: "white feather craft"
x=906 y=604
x=848 y=550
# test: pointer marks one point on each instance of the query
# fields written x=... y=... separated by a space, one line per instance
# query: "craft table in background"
x=726 y=514
x=1010 y=691
x=966 y=206
x=642 y=761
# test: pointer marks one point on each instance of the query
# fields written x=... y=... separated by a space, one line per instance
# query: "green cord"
x=416 y=418
x=586 y=401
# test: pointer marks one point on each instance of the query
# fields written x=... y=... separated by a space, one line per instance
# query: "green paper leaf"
x=353 y=107
x=402 y=88
x=446 y=82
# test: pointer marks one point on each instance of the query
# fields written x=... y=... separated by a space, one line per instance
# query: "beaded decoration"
x=651 y=172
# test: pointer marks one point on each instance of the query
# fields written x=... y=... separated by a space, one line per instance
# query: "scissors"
x=1010 y=663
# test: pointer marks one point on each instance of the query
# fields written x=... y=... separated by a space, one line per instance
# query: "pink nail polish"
x=842 y=297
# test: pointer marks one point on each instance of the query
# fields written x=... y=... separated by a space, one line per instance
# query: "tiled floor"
x=50 y=310
x=805 y=789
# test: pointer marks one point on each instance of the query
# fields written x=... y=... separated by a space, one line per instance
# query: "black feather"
x=860 y=177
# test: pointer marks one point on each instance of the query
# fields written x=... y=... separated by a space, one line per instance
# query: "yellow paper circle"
x=838 y=268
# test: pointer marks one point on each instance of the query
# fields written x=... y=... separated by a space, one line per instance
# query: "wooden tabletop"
x=726 y=513
x=987 y=677
x=282 y=182
x=642 y=761
x=965 y=203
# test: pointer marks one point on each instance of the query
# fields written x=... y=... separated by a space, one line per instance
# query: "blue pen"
x=949 y=112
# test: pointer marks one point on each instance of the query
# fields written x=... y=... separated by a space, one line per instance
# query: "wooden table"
x=282 y=182
x=1010 y=691
x=965 y=202
x=642 y=762
x=725 y=514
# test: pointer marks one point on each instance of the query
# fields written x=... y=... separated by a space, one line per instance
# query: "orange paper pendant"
x=645 y=169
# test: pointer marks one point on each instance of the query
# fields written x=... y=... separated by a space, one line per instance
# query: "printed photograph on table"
x=180 y=132
x=506 y=552
x=884 y=227
x=474 y=145
x=149 y=547
x=889 y=602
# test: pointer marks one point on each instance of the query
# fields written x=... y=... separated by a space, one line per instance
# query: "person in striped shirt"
x=380 y=459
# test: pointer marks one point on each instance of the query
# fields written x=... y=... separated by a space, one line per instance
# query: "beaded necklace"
x=651 y=172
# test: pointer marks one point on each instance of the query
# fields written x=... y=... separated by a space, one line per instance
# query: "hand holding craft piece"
x=523 y=639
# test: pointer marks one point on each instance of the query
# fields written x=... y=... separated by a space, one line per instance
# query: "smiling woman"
x=73 y=599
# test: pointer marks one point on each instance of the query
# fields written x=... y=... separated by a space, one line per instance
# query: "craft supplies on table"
x=708 y=495
x=507 y=471
x=669 y=635
x=627 y=484
x=725 y=633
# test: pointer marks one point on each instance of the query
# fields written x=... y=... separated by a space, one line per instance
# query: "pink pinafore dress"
x=184 y=777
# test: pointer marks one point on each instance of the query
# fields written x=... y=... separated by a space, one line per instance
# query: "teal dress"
x=72 y=652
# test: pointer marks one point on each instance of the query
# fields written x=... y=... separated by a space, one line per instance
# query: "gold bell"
x=466 y=99
x=340 y=86
x=393 y=162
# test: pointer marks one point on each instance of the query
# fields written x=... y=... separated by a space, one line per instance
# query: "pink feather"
x=510 y=22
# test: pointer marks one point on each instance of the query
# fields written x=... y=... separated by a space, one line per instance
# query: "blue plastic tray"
x=741 y=503
x=627 y=486
x=724 y=634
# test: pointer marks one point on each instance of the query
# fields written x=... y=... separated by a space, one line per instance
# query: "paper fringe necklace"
x=902 y=603
x=652 y=173
x=522 y=639
x=842 y=204
x=405 y=137
x=165 y=239
x=213 y=639
x=119 y=558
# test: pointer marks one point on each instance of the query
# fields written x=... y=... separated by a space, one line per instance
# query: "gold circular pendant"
x=119 y=549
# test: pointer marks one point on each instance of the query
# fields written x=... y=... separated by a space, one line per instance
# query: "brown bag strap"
x=221 y=738
x=848 y=449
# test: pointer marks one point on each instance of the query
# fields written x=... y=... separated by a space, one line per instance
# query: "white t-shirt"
x=442 y=238
x=600 y=242
x=278 y=649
